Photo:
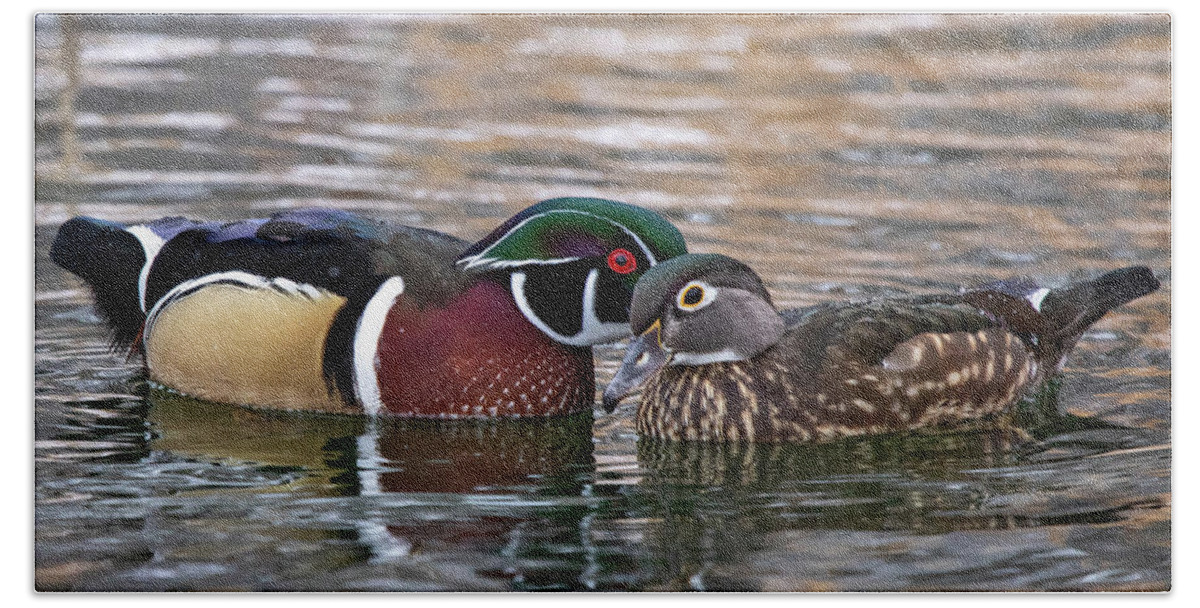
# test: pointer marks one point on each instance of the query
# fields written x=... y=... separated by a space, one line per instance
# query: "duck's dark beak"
x=644 y=356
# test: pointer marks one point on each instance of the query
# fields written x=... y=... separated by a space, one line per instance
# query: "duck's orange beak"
x=643 y=358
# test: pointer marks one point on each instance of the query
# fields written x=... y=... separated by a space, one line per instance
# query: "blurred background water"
x=842 y=156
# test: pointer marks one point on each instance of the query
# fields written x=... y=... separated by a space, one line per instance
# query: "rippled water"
x=842 y=156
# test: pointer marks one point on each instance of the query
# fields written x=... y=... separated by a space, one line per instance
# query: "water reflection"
x=525 y=462
x=517 y=500
x=753 y=467
x=845 y=155
x=717 y=505
x=352 y=456
x=711 y=508
x=500 y=504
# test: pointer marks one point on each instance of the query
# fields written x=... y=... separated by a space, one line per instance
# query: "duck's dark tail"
x=110 y=258
x=1071 y=310
x=1053 y=320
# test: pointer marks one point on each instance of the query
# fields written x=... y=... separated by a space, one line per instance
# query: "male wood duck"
x=326 y=310
x=722 y=365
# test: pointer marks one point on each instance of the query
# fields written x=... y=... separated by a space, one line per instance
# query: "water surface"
x=841 y=156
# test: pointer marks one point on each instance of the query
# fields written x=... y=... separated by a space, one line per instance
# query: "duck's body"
x=324 y=310
x=833 y=374
x=742 y=372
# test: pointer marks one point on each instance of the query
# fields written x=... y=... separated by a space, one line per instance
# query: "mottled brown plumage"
x=846 y=369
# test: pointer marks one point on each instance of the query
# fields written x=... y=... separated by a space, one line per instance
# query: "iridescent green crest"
x=563 y=230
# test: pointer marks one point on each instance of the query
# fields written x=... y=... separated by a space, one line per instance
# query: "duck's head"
x=571 y=264
x=693 y=310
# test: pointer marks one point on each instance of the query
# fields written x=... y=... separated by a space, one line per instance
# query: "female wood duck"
x=325 y=310
x=723 y=365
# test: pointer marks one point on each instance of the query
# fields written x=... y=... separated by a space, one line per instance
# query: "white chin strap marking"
x=591 y=331
x=720 y=356
x=151 y=244
x=366 y=344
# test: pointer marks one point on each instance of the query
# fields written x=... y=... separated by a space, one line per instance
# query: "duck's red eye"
x=621 y=261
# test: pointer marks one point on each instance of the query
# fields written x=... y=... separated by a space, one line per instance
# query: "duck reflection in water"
x=717 y=505
x=466 y=480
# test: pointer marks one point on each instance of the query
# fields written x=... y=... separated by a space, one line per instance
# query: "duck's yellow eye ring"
x=695 y=295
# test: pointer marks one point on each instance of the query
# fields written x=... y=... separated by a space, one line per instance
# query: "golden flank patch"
x=268 y=354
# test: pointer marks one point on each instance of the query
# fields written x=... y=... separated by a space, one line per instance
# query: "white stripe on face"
x=151 y=244
x=591 y=331
x=481 y=259
x=498 y=263
x=366 y=344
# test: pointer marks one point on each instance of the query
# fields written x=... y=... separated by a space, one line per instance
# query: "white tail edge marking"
x=151 y=244
x=1035 y=298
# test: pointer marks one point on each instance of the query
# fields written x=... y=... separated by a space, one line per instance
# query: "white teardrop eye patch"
x=695 y=295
